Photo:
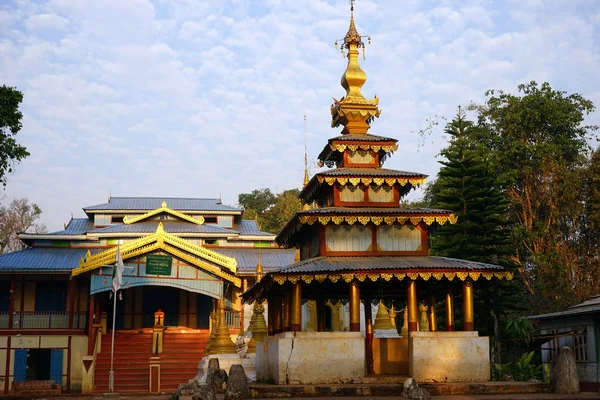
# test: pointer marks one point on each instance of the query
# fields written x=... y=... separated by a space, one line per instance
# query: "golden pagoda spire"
x=305 y=156
x=259 y=268
x=353 y=111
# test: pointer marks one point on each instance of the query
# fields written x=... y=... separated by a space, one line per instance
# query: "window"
x=51 y=296
x=210 y=220
x=580 y=344
x=116 y=220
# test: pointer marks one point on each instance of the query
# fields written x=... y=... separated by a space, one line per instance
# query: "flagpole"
x=111 y=374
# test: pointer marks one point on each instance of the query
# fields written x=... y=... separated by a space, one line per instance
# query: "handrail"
x=93 y=345
x=45 y=320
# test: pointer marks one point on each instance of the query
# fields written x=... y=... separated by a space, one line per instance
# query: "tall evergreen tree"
x=467 y=185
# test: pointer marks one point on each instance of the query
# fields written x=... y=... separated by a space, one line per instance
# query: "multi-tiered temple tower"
x=357 y=243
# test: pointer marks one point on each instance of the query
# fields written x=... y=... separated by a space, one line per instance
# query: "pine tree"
x=467 y=185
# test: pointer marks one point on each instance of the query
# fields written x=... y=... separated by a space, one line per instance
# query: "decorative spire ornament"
x=353 y=111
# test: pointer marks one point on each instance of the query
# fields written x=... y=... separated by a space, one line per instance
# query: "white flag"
x=117 y=282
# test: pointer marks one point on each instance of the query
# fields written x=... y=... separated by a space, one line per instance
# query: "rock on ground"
x=217 y=380
x=237 y=384
x=565 y=371
x=204 y=392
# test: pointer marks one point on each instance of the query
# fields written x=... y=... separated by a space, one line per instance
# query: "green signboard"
x=158 y=265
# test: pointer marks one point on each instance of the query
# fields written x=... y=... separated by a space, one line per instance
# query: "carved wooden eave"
x=166 y=210
x=201 y=257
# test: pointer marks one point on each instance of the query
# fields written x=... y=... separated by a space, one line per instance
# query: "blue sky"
x=197 y=98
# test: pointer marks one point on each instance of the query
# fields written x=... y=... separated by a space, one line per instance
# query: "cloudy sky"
x=197 y=98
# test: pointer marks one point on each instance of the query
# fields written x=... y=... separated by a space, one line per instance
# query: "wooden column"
x=354 y=306
x=431 y=313
x=449 y=311
x=413 y=307
x=287 y=312
x=369 y=336
x=296 y=318
x=468 y=316
x=11 y=307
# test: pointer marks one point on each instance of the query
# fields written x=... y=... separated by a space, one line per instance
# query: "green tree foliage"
x=272 y=211
x=10 y=125
x=259 y=200
x=468 y=186
x=286 y=205
x=19 y=216
x=537 y=145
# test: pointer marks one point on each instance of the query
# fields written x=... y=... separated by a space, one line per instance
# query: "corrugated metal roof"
x=591 y=305
x=152 y=203
x=77 y=226
x=249 y=227
x=362 y=138
x=270 y=259
x=372 y=211
x=41 y=260
x=168 y=227
x=333 y=264
x=368 y=172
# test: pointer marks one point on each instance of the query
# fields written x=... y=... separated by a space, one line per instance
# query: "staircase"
x=182 y=351
x=131 y=362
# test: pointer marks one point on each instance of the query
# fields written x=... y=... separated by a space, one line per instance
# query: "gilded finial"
x=160 y=228
x=353 y=111
x=164 y=204
x=305 y=156
x=259 y=268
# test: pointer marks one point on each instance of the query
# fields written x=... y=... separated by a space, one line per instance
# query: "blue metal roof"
x=249 y=227
x=38 y=259
x=152 y=203
x=77 y=226
x=174 y=227
x=270 y=259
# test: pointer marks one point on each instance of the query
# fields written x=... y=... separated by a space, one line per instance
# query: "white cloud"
x=188 y=98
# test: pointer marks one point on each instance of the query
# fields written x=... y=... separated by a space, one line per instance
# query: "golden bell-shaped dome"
x=382 y=320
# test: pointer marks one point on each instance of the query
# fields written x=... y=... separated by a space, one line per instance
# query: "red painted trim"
x=69 y=364
x=371 y=253
x=450 y=328
x=7 y=373
x=412 y=326
x=354 y=326
x=22 y=308
x=469 y=326
x=296 y=327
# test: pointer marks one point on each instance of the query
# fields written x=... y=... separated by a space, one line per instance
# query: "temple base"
x=448 y=357
x=311 y=358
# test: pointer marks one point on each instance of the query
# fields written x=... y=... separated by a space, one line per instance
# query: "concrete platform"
x=391 y=386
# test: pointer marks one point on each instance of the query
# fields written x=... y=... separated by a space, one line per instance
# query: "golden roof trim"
x=160 y=240
x=377 y=219
x=163 y=209
x=355 y=180
x=363 y=146
x=387 y=276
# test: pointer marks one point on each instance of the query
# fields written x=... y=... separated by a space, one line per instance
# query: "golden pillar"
x=270 y=319
x=468 y=306
x=413 y=307
x=277 y=316
x=354 y=306
x=431 y=314
x=449 y=311
x=296 y=318
x=287 y=312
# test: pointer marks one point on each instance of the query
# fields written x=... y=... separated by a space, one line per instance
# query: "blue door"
x=56 y=364
x=20 y=365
